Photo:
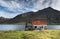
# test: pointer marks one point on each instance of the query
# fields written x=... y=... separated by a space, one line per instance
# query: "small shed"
x=39 y=24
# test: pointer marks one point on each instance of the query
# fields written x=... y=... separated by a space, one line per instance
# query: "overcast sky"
x=11 y=8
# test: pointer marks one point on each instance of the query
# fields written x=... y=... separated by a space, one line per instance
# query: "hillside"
x=3 y=20
x=51 y=15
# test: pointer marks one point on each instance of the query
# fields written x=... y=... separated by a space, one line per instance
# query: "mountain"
x=51 y=15
x=3 y=20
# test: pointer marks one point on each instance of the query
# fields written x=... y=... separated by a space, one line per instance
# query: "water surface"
x=53 y=27
x=12 y=27
x=22 y=27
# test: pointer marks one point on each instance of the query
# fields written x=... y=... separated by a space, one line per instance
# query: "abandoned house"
x=37 y=24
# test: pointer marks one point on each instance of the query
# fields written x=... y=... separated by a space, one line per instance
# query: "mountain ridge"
x=51 y=15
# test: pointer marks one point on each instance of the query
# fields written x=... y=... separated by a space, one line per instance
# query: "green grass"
x=46 y=34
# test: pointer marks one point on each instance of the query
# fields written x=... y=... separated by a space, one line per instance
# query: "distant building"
x=39 y=24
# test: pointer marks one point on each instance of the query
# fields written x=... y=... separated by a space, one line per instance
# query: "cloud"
x=11 y=8
x=56 y=5
x=7 y=15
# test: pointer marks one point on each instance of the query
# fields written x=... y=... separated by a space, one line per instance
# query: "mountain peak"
x=49 y=8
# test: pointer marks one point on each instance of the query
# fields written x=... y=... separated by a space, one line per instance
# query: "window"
x=35 y=26
x=41 y=26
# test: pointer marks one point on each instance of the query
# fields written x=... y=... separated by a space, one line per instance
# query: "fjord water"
x=12 y=27
x=53 y=27
x=22 y=27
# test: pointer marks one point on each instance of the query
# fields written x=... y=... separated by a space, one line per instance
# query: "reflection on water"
x=22 y=27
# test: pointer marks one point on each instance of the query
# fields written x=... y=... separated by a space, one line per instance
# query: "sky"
x=11 y=8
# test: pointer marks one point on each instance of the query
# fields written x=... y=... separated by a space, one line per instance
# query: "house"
x=39 y=24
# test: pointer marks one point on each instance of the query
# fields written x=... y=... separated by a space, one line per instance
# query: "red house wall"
x=39 y=22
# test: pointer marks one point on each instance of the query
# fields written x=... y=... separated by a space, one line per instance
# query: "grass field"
x=46 y=34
